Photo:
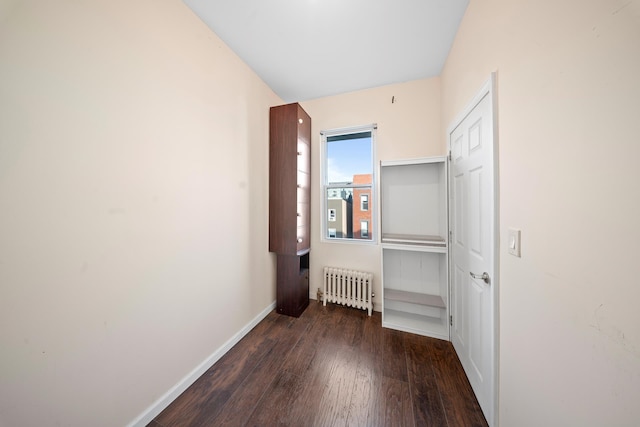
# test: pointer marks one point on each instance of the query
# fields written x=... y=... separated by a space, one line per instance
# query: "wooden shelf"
x=414 y=298
x=414 y=239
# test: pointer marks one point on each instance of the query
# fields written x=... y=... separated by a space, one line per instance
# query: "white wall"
x=407 y=128
x=569 y=91
x=133 y=205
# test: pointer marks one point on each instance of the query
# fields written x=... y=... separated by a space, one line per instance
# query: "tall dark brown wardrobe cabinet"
x=289 y=199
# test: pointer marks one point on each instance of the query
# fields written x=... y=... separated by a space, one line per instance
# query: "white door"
x=473 y=246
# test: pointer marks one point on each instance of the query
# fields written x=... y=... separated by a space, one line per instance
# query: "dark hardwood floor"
x=333 y=366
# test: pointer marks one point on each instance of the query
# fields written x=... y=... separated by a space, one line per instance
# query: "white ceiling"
x=306 y=49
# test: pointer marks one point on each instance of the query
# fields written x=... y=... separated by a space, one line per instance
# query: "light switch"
x=514 y=242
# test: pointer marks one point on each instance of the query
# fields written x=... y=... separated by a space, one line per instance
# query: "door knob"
x=484 y=276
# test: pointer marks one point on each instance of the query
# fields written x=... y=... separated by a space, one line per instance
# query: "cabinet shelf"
x=416 y=323
x=414 y=239
x=415 y=242
x=414 y=298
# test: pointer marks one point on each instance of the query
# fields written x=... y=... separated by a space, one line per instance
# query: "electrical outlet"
x=514 y=242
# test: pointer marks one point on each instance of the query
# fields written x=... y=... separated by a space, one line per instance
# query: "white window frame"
x=324 y=186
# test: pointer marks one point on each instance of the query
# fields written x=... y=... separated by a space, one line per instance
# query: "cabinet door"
x=303 y=187
x=292 y=291
x=303 y=181
x=303 y=289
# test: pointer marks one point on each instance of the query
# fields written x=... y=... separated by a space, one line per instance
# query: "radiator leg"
x=371 y=295
x=324 y=297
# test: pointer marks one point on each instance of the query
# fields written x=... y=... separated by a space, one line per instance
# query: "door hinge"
x=450 y=320
x=450 y=236
x=449 y=155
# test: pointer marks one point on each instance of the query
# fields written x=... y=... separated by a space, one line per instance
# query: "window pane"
x=348 y=156
x=340 y=210
x=344 y=216
x=348 y=184
x=361 y=213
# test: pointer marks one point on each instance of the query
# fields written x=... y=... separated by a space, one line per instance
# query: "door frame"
x=489 y=88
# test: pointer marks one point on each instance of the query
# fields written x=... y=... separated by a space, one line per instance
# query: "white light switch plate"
x=513 y=242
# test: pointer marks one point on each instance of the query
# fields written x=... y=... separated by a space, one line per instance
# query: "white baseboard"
x=159 y=405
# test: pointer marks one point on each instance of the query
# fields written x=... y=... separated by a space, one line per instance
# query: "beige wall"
x=407 y=128
x=569 y=91
x=133 y=205
x=123 y=125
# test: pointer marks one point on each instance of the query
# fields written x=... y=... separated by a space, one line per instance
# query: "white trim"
x=159 y=405
x=349 y=129
x=493 y=93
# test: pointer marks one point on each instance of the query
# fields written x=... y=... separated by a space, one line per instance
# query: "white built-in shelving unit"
x=414 y=230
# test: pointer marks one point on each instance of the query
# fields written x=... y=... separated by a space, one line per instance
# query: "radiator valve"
x=319 y=295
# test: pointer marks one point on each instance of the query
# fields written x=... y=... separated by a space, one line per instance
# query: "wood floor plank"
x=242 y=402
x=425 y=395
x=210 y=392
x=459 y=401
x=367 y=405
x=349 y=326
x=371 y=339
x=398 y=410
x=276 y=410
x=394 y=362
x=339 y=328
x=204 y=398
x=315 y=379
x=303 y=396
x=332 y=366
x=335 y=399
x=307 y=356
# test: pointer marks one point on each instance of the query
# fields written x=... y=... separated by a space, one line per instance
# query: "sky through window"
x=347 y=157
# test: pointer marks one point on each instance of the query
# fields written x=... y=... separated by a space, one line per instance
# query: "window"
x=347 y=183
x=364 y=229
x=364 y=202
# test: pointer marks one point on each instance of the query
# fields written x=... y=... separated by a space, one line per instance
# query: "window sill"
x=349 y=241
